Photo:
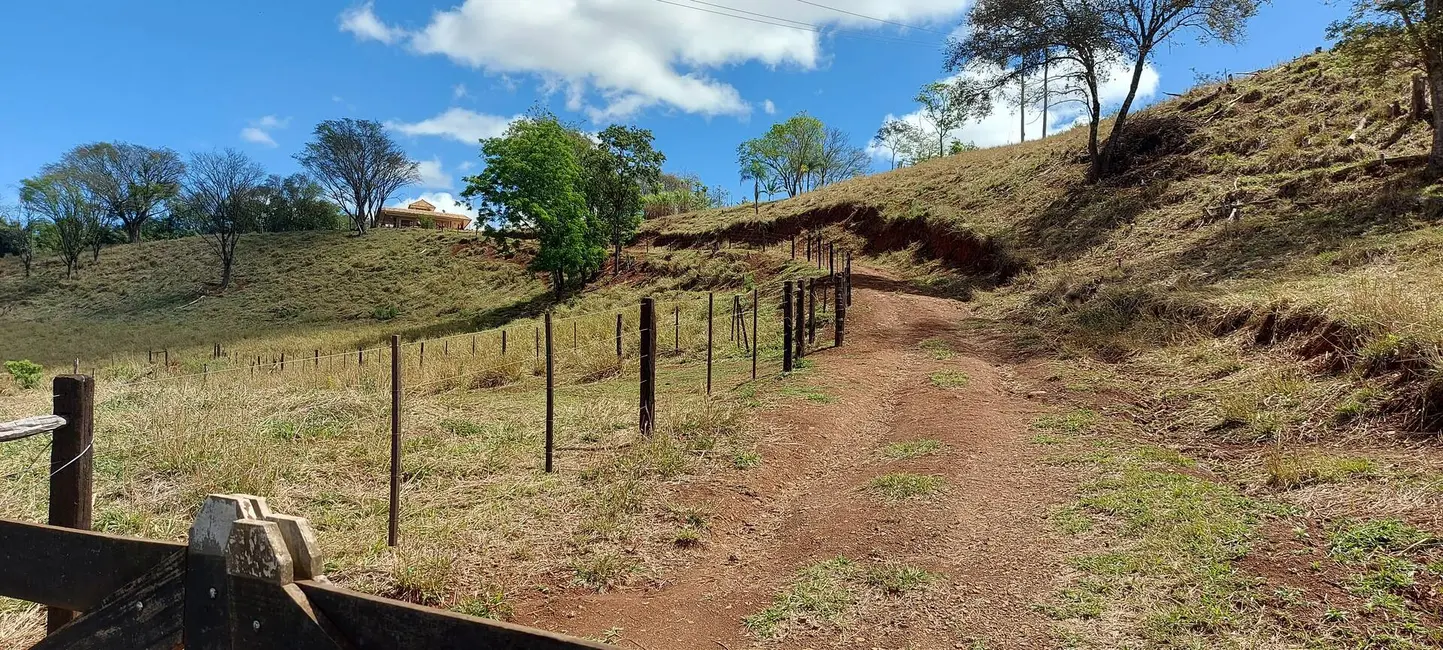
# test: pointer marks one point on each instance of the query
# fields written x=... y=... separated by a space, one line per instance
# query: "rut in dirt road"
x=982 y=538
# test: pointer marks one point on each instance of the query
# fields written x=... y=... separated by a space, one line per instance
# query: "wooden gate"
x=247 y=579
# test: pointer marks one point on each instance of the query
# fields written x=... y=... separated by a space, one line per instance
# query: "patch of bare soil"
x=984 y=534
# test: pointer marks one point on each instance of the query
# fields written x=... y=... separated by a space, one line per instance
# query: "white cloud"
x=259 y=131
x=465 y=166
x=443 y=201
x=458 y=91
x=253 y=134
x=620 y=57
x=769 y=108
x=1002 y=125
x=362 y=22
x=433 y=175
x=458 y=124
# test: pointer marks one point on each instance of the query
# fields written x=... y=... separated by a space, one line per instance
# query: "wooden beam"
x=72 y=569
x=145 y=614
x=371 y=622
x=26 y=427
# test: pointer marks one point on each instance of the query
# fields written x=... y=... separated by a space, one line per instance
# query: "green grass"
x=912 y=448
x=937 y=348
x=902 y=485
x=809 y=393
x=950 y=379
x=825 y=595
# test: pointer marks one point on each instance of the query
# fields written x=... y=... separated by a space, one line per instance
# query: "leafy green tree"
x=296 y=202
x=533 y=182
x=756 y=172
x=787 y=151
x=59 y=197
x=617 y=167
x=18 y=234
x=223 y=199
x=359 y=166
x=895 y=136
x=129 y=182
x=949 y=105
x=1383 y=34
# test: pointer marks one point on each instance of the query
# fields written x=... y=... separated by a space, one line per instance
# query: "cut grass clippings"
x=912 y=448
x=950 y=379
x=902 y=485
x=936 y=348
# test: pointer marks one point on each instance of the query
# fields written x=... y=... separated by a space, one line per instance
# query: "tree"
x=1006 y=35
x=839 y=159
x=617 y=167
x=1085 y=35
x=61 y=198
x=360 y=167
x=895 y=136
x=296 y=202
x=1383 y=33
x=532 y=182
x=787 y=151
x=18 y=234
x=948 y=105
x=959 y=146
x=222 y=200
x=97 y=232
x=129 y=182
x=756 y=172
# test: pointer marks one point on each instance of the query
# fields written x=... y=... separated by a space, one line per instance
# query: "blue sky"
x=259 y=75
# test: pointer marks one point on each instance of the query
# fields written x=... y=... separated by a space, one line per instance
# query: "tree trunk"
x=616 y=255
x=132 y=230
x=1022 y=106
x=1435 y=92
x=1419 y=105
x=1045 y=90
x=1115 y=136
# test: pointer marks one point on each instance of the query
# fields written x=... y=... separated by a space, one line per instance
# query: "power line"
x=800 y=26
x=880 y=20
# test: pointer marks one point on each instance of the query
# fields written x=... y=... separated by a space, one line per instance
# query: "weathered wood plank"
x=72 y=569
x=146 y=614
x=265 y=616
x=26 y=427
x=372 y=623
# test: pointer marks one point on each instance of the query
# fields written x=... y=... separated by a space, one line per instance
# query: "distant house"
x=422 y=215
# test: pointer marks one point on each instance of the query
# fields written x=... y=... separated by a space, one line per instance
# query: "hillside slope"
x=1242 y=204
x=160 y=294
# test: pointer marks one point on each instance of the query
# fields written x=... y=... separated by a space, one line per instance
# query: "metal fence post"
x=754 y=332
x=800 y=338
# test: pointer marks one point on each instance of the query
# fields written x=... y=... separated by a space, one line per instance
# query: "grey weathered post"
x=71 y=464
x=786 y=325
x=550 y=394
x=676 y=329
x=503 y=343
x=395 y=513
x=648 y=366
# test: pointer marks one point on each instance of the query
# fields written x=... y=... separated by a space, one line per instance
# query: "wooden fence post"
x=839 y=325
x=786 y=325
x=503 y=343
x=473 y=345
x=676 y=329
x=283 y=362
x=550 y=395
x=318 y=357
x=421 y=358
x=753 y=332
x=809 y=247
x=573 y=335
x=794 y=247
x=395 y=514
x=849 y=278
x=538 y=344
x=648 y=366
x=618 y=339
x=734 y=320
x=71 y=464
x=812 y=311
x=801 y=336
x=832 y=259
x=710 y=300
x=360 y=355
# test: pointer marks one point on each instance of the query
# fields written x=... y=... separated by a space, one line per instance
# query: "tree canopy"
x=130 y=183
x=949 y=105
x=801 y=153
x=360 y=167
x=532 y=182
x=616 y=167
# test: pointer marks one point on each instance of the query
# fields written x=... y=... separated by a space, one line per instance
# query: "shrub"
x=25 y=372
x=385 y=312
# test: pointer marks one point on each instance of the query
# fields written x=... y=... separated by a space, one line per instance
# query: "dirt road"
x=984 y=537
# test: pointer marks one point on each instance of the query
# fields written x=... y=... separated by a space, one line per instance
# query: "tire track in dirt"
x=986 y=534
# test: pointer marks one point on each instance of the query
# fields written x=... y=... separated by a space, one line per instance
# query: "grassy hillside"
x=1241 y=204
x=161 y=294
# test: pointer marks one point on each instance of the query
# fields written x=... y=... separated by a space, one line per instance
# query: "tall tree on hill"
x=222 y=200
x=130 y=183
x=17 y=234
x=788 y=151
x=894 y=136
x=1084 y=37
x=296 y=202
x=359 y=165
x=621 y=162
x=1388 y=32
x=839 y=159
x=533 y=182
x=756 y=172
x=61 y=198
x=948 y=105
